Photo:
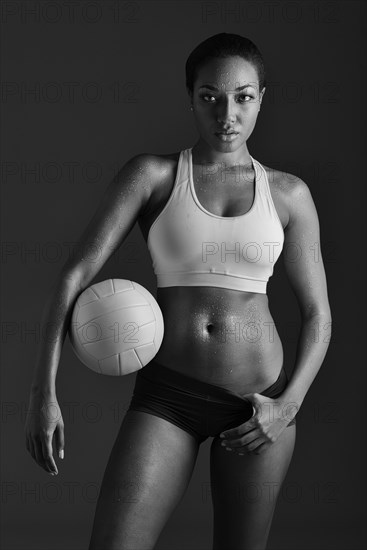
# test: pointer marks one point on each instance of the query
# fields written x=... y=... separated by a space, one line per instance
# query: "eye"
x=203 y=96
x=246 y=95
x=242 y=97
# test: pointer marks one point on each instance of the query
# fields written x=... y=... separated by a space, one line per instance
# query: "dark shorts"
x=203 y=410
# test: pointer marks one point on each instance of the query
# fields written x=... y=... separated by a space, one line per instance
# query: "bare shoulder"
x=160 y=173
x=288 y=191
x=157 y=165
x=166 y=163
x=284 y=183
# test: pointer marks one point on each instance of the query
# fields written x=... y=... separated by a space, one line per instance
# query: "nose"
x=226 y=111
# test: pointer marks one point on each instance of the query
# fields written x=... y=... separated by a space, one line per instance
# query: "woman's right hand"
x=44 y=418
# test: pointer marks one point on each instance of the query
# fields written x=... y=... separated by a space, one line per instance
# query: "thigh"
x=245 y=490
x=147 y=473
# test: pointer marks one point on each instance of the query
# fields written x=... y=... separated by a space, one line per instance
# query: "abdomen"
x=223 y=337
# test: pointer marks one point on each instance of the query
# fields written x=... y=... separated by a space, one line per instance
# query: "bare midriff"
x=220 y=336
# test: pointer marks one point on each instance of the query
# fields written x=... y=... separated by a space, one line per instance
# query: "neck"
x=202 y=153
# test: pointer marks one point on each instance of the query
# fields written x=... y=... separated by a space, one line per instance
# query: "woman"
x=215 y=221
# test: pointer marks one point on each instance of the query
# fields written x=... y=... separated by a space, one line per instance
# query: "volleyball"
x=116 y=327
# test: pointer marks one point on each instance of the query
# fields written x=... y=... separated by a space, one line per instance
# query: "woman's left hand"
x=270 y=418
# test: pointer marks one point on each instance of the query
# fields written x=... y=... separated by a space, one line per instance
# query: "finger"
x=235 y=432
x=60 y=440
x=30 y=448
x=252 y=403
x=234 y=444
x=253 y=445
x=39 y=454
x=229 y=433
x=245 y=439
x=246 y=436
x=245 y=427
x=259 y=450
x=47 y=454
x=248 y=446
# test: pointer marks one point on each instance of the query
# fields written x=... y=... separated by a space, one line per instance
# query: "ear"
x=262 y=94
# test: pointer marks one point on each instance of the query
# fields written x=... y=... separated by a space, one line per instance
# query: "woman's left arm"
x=305 y=270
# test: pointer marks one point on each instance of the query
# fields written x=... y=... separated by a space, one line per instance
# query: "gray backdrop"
x=85 y=86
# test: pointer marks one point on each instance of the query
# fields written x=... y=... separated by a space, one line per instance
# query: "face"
x=226 y=97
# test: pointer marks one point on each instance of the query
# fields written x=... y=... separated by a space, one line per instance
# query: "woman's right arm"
x=125 y=199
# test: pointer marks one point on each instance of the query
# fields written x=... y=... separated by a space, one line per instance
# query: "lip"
x=229 y=132
x=223 y=136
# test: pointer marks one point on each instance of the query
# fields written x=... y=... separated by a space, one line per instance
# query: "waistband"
x=156 y=373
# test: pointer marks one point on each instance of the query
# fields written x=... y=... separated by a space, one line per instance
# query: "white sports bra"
x=190 y=246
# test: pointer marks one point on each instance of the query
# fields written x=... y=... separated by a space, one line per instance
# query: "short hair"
x=224 y=45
